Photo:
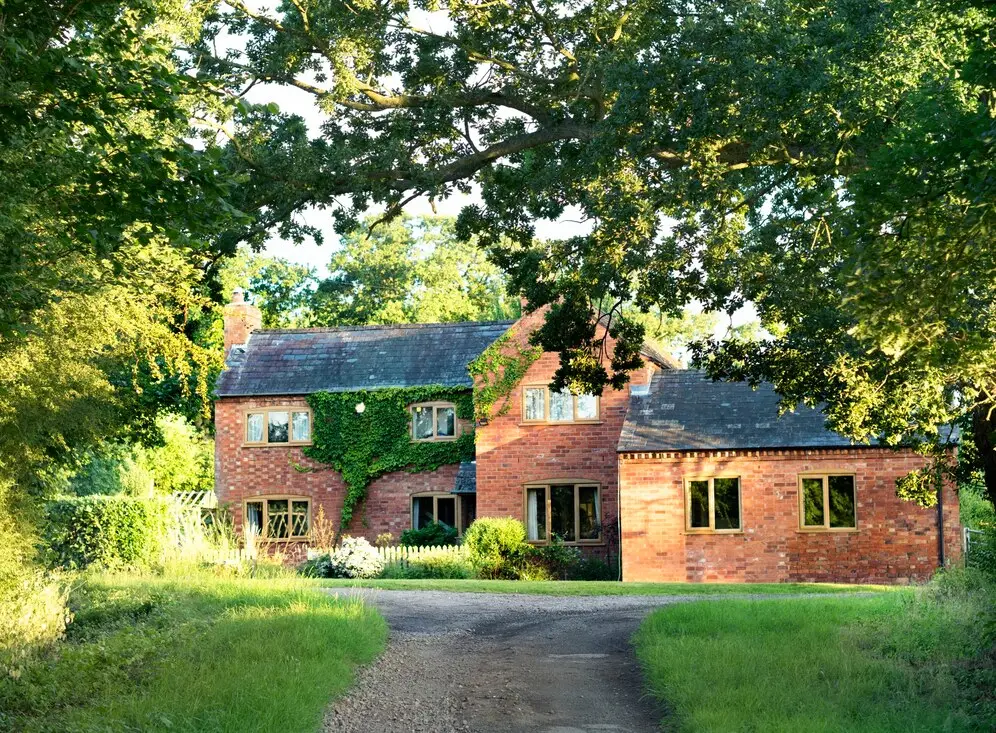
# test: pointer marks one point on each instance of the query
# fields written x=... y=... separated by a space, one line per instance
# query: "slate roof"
x=302 y=361
x=466 y=478
x=686 y=411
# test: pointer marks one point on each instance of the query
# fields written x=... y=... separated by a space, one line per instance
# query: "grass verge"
x=920 y=660
x=194 y=654
x=602 y=588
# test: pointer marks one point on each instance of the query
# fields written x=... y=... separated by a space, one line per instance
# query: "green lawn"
x=602 y=588
x=198 y=654
x=895 y=662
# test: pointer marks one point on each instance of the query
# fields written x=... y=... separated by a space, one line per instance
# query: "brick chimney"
x=241 y=319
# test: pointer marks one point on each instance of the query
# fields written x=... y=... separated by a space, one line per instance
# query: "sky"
x=295 y=101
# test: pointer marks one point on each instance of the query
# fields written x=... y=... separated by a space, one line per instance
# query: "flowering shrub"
x=354 y=558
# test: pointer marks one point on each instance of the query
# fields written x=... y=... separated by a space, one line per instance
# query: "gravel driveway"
x=492 y=663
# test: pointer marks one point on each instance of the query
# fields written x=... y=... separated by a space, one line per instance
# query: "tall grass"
x=896 y=662
x=194 y=654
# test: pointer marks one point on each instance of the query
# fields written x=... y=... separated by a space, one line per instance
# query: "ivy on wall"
x=497 y=371
x=362 y=446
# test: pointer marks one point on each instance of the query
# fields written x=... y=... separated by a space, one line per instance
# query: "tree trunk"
x=984 y=433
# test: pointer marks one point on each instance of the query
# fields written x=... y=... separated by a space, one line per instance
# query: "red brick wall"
x=896 y=541
x=243 y=472
x=511 y=454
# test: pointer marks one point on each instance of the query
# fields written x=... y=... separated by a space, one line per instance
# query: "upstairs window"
x=279 y=518
x=539 y=404
x=434 y=421
x=827 y=502
x=278 y=426
x=712 y=505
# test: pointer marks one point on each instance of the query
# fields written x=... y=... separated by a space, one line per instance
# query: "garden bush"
x=110 y=531
x=497 y=547
x=443 y=565
x=436 y=534
x=33 y=610
x=354 y=558
x=557 y=559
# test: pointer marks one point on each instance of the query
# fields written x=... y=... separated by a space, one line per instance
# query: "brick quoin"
x=896 y=541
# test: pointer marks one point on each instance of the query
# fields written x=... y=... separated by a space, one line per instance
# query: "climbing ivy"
x=362 y=446
x=497 y=371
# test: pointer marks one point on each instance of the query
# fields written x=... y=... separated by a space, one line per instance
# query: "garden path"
x=494 y=663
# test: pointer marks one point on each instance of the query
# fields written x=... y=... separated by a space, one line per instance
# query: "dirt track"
x=491 y=663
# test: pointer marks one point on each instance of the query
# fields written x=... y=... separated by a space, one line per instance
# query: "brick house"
x=682 y=478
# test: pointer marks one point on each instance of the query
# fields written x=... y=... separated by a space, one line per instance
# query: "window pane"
x=277 y=526
x=254 y=514
x=254 y=427
x=536 y=514
x=698 y=504
x=561 y=406
x=590 y=524
x=535 y=403
x=301 y=425
x=841 y=501
x=445 y=422
x=422 y=422
x=726 y=500
x=277 y=432
x=562 y=512
x=421 y=511
x=446 y=510
x=812 y=502
x=587 y=407
x=299 y=518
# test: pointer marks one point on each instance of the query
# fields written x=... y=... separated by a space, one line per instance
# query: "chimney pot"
x=238 y=296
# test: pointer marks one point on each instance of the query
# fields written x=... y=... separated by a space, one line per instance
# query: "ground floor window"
x=712 y=504
x=448 y=509
x=570 y=512
x=827 y=502
x=279 y=518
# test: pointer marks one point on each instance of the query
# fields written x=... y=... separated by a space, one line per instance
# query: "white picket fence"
x=400 y=555
x=394 y=555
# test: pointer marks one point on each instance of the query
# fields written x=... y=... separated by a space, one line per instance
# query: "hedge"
x=110 y=531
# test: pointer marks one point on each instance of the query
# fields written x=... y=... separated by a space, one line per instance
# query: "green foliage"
x=831 y=164
x=141 y=650
x=496 y=547
x=181 y=460
x=435 y=534
x=982 y=553
x=497 y=372
x=355 y=557
x=364 y=445
x=557 y=559
x=108 y=531
x=974 y=509
x=443 y=565
x=884 y=663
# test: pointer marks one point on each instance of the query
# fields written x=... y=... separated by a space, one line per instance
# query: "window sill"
x=296 y=444
x=582 y=543
x=825 y=530
x=542 y=423
x=719 y=532
x=447 y=439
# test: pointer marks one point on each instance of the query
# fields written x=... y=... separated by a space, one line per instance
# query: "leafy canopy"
x=830 y=162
